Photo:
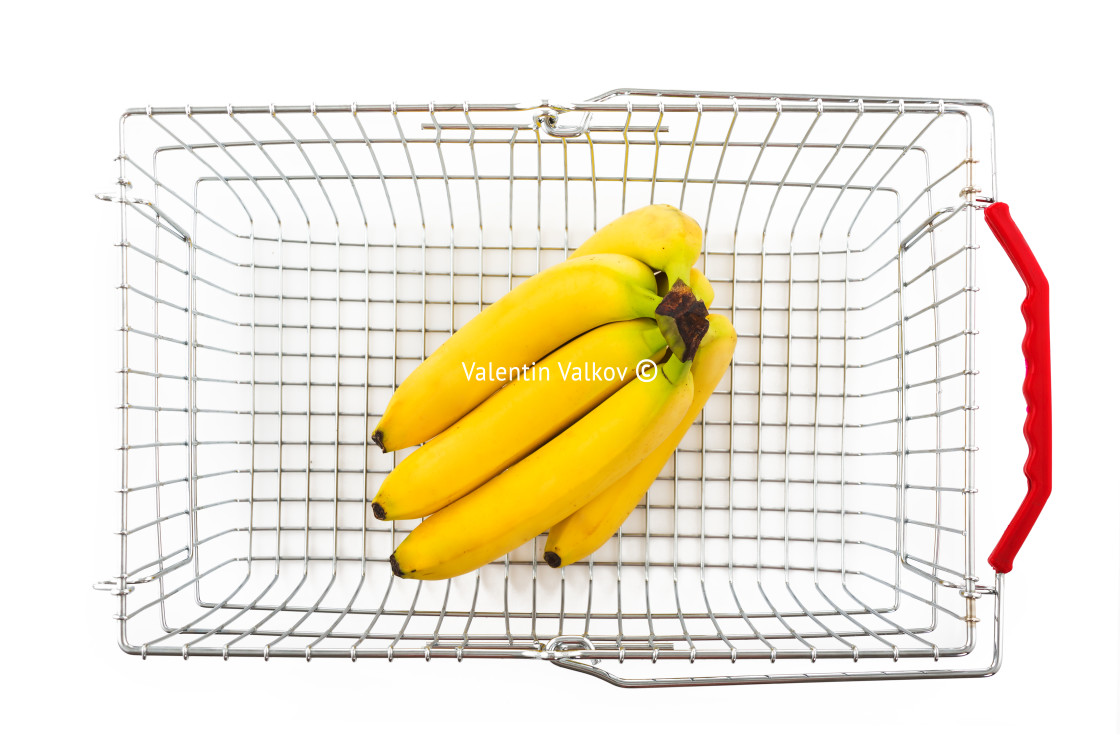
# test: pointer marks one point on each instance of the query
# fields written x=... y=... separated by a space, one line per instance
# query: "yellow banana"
x=660 y=235
x=533 y=319
x=518 y=418
x=550 y=483
x=585 y=531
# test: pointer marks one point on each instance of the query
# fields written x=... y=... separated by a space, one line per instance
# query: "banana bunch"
x=555 y=408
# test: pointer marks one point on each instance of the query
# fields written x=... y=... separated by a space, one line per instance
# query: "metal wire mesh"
x=283 y=268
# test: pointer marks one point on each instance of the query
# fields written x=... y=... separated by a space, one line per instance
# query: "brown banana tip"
x=379 y=441
x=683 y=320
x=552 y=559
x=693 y=332
x=395 y=566
x=680 y=301
x=379 y=511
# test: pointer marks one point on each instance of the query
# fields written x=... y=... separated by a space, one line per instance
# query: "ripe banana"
x=585 y=531
x=518 y=418
x=533 y=319
x=660 y=235
x=550 y=483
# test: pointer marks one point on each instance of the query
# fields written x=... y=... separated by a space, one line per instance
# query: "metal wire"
x=821 y=508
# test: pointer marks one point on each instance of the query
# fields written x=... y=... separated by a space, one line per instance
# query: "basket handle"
x=1036 y=385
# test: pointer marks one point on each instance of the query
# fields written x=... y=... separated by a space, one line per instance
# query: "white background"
x=68 y=71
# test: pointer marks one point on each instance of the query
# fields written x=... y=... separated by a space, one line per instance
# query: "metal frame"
x=266 y=248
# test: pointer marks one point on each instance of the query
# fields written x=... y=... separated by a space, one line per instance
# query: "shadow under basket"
x=284 y=268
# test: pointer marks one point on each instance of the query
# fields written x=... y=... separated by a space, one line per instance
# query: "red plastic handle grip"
x=1038 y=427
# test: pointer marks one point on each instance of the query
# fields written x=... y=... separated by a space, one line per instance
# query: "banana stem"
x=683 y=319
x=678 y=271
x=675 y=369
x=654 y=339
x=645 y=302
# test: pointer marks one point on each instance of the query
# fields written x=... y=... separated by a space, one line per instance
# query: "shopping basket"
x=283 y=268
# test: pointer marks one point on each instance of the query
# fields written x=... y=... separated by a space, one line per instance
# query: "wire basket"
x=284 y=268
